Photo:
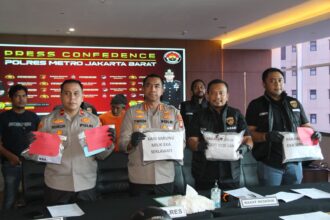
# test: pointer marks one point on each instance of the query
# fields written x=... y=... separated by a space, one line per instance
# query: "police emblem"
x=230 y=121
x=294 y=104
x=172 y=57
x=85 y=120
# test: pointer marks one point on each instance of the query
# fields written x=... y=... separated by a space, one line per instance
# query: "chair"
x=112 y=176
x=183 y=174
x=33 y=181
x=248 y=168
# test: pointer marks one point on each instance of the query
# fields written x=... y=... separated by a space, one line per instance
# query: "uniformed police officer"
x=154 y=177
x=75 y=178
x=172 y=89
x=197 y=102
x=266 y=117
x=217 y=117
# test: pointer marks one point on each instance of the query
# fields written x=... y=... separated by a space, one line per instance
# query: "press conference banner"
x=103 y=71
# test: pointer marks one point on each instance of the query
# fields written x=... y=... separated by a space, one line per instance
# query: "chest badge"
x=294 y=104
x=230 y=121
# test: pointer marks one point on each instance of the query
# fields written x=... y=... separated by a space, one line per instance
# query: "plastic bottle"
x=216 y=195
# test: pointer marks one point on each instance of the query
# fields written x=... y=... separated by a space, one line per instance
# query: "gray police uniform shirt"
x=139 y=118
x=76 y=172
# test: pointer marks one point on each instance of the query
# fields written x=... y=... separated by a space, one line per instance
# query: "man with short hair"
x=116 y=115
x=15 y=124
x=268 y=115
x=75 y=178
x=155 y=177
x=197 y=102
x=217 y=117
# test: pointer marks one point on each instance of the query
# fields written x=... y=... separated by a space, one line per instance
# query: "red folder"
x=46 y=144
x=97 y=138
x=305 y=134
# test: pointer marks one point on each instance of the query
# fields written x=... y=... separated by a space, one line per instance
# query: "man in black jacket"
x=217 y=117
x=268 y=115
x=197 y=102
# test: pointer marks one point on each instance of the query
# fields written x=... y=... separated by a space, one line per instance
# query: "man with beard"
x=268 y=115
x=197 y=102
x=15 y=124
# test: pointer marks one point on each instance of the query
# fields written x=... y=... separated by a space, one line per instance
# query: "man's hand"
x=317 y=136
x=112 y=134
x=243 y=149
x=136 y=138
x=274 y=136
x=202 y=146
x=14 y=160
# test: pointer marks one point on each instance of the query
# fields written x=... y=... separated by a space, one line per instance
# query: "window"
x=294 y=49
x=312 y=45
x=329 y=93
x=283 y=53
x=312 y=94
x=284 y=73
x=312 y=71
x=294 y=71
x=313 y=118
x=294 y=93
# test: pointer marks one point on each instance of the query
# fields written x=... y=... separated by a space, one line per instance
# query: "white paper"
x=223 y=146
x=287 y=197
x=313 y=193
x=307 y=216
x=295 y=150
x=65 y=210
x=243 y=192
x=162 y=145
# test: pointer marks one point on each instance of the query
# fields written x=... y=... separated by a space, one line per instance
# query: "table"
x=122 y=208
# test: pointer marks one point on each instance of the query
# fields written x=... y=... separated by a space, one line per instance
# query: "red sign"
x=103 y=71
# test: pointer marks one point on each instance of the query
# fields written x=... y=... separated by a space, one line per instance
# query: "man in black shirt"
x=267 y=116
x=217 y=117
x=197 y=102
x=15 y=124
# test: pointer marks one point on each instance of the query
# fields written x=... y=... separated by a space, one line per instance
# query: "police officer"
x=154 y=177
x=266 y=117
x=172 y=89
x=197 y=102
x=217 y=117
x=75 y=178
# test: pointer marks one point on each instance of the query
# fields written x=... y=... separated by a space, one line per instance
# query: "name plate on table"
x=175 y=211
x=163 y=145
x=258 y=202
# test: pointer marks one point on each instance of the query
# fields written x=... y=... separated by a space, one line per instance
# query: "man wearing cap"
x=116 y=115
x=172 y=89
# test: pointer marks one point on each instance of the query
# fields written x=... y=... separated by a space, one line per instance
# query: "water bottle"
x=216 y=195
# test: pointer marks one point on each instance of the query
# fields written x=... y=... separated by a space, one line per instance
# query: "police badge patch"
x=294 y=104
x=230 y=121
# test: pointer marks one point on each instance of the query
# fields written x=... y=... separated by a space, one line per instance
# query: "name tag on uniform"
x=296 y=110
x=189 y=113
x=263 y=113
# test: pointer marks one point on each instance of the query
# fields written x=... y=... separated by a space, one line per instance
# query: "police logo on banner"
x=172 y=57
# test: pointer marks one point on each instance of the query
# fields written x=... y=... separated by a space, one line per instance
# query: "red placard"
x=97 y=138
x=103 y=71
x=45 y=144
